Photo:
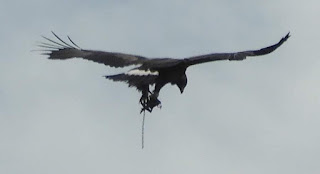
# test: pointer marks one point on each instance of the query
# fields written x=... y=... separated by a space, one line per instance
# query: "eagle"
x=148 y=72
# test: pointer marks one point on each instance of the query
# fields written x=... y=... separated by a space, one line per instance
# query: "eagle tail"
x=133 y=80
x=117 y=77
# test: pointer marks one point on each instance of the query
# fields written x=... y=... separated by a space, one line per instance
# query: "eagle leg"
x=145 y=99
x=152 y=102
x=149 y=100
x=145 y=95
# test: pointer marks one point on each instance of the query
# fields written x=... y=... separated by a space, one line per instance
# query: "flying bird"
x=148 y=72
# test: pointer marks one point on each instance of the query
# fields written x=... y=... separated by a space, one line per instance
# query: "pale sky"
x=260 y=115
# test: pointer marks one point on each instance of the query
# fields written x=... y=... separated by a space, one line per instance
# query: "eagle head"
x=182 y=83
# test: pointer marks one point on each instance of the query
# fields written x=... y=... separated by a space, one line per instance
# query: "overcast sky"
x=260 y=115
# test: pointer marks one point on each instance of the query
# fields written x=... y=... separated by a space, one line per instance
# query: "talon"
x=146 y=108
x=148 y=102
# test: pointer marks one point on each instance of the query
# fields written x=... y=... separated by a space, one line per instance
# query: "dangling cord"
x=144 y=115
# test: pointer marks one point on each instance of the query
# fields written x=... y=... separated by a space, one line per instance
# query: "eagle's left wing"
x=234 y=56
x=59 y=49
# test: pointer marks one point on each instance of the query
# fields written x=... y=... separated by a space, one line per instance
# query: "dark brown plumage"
x=158 y=72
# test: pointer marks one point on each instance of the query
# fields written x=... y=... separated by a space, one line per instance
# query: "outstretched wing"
x=138 y=78
x=234 y=56
x=62 y=50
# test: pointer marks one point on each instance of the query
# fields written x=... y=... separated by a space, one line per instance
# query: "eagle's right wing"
x=63 y=50
x=235 y=56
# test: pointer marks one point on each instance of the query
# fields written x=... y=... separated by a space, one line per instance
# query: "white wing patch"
x=140 y=72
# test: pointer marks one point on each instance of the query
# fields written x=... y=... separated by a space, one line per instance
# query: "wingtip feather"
x=286 y=37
